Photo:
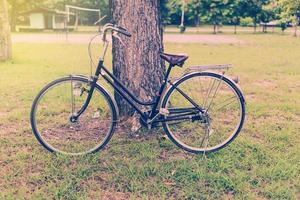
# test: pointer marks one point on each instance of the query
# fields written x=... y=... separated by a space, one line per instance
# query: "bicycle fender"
x=241 y=96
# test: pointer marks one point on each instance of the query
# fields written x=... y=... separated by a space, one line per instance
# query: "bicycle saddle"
x=174 y=59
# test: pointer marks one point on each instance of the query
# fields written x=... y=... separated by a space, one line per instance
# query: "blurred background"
x=57 y=15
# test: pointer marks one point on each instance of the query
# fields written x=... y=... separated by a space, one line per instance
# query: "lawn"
x=262 y=163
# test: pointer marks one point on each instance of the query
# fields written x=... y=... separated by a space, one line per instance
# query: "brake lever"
x=100 y=20
x=115 y=34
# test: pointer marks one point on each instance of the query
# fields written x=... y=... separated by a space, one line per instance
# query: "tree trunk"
x=255 y=24
x=5 y=38
x=295 y=24
x=137 y=64
x=215 y=28
x=13 y=15
x=235 y=29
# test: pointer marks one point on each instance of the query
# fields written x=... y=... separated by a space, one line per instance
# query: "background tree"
x=174 y=13
x=291 y=12
x=236 y=12
x=138 y=64
x=5 y=38
x=254 y=9
x=165 y=9
x=267 y=15
x=215 y=12
x=194 y=12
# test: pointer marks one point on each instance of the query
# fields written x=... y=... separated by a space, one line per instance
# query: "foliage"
x=290 y=10
x=194 y=12
x=197 y=12
x=215 y=11
x=246 y=22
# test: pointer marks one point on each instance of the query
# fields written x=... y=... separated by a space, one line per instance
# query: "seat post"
x=168 y=72
x=160 y=92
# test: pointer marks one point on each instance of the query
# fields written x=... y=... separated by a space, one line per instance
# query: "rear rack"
x=208 y=67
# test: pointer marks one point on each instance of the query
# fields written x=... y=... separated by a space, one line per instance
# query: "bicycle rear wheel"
x=57 y=102
x=221 y=119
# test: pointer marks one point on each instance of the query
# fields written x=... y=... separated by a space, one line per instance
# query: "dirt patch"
x=266 y=84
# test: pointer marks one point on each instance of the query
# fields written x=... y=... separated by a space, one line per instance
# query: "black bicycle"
x=201 y=112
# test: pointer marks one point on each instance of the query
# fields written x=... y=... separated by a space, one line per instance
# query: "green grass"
x=262 y=163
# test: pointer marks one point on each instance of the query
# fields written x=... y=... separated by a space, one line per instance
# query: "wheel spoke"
x=226 y=103
x=72 y=97
x=214 y=129
x=208 y=92
x=51 y=122
x=216 y=91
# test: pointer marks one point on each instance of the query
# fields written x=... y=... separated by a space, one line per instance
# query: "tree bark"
x=5 y=38
x=137 y=64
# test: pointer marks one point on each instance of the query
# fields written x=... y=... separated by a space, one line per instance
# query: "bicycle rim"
x=223 y=106
x=51 y=118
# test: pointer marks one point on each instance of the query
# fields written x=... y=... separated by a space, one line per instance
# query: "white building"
x=42 y=18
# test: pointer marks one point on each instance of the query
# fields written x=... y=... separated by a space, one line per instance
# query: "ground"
x=262 y=163
x=84 y=38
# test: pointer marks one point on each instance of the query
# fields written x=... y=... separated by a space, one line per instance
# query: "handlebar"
x=113 y=28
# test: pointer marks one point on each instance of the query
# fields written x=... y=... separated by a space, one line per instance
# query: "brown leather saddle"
x=174 y=59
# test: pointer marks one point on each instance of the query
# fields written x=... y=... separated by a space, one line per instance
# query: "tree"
x=291 y=12
x=267 y=14
x=5 y=38
x=215 y=12
x=194 y=11
x=19 y=6
x=235 y=13
x=165 y=10
x=254 y=9
x=137 y=64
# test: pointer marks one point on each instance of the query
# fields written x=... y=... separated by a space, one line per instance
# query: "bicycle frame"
x=132 y=99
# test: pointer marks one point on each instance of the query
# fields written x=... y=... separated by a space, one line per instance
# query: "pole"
x=182 y=13
x=182 y=27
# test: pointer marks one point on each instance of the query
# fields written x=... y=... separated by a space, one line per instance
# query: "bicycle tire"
x=230 y=84
x=98 y=89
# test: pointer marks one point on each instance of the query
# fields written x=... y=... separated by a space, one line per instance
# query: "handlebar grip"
x=124 y=31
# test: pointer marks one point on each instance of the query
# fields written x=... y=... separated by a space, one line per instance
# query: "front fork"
x=74 y=117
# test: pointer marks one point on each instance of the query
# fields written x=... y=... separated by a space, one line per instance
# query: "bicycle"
x=201 y=112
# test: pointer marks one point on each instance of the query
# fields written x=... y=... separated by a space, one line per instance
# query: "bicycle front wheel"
x=51 y=117
x=219 y=122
